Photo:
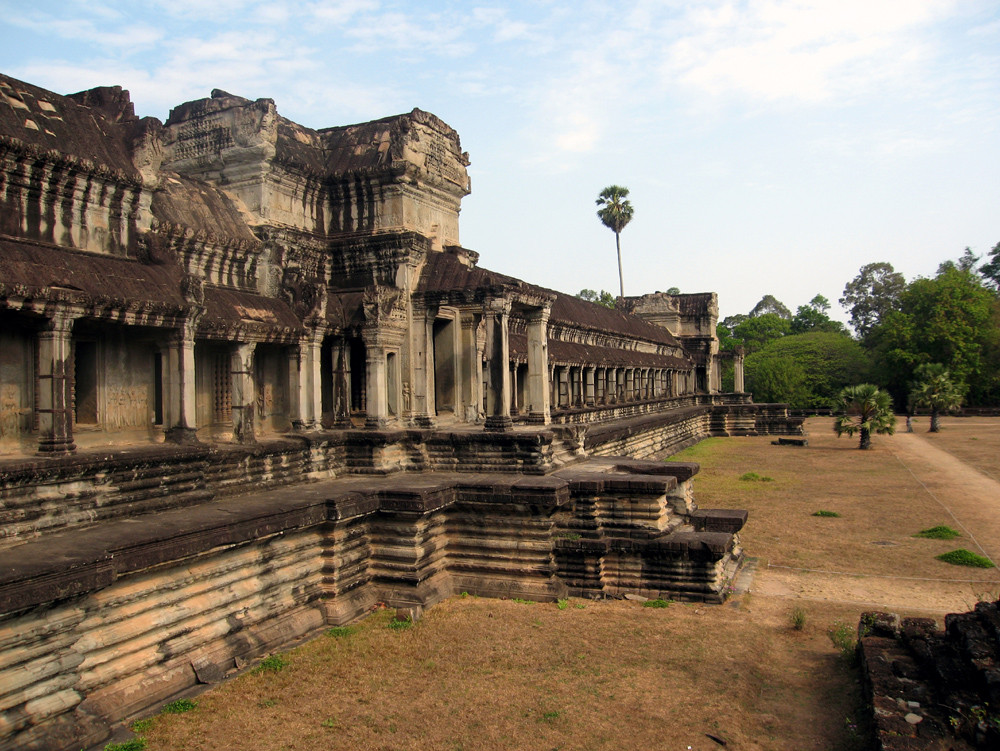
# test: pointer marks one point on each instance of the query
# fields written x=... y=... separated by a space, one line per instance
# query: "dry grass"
x=489 y=674
x=881 y=505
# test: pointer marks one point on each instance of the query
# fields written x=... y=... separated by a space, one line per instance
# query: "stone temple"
x=252 y=385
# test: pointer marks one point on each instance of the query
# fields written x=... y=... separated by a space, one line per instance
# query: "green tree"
x=825 y=361
x=966 y=262
x=991 y=269
x=771 y=304
x=615 y=213
x=775 y=379
x=866 y=410
x=950 y=319
x=814 y=317
x=871 y=295
x=603 y=297
x=935 y=389
x=755 y=332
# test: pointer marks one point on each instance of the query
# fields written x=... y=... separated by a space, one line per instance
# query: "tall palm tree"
x=615 y=213
x=867 y=410
x=934 y=388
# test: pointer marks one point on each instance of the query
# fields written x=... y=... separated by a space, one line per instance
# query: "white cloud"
x=807 y=50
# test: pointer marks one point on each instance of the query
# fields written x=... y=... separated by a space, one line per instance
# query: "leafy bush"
x=657 y=603
x=823 y=512
x=843 y=637
x=963 y=557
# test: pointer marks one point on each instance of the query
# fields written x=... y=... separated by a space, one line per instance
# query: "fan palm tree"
x=934 y=388
x=867 y=410
x=615 y=213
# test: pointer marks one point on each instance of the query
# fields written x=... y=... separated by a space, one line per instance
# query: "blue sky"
x=770 y=147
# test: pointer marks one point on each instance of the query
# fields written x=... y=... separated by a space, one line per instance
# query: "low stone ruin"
x=933 y=690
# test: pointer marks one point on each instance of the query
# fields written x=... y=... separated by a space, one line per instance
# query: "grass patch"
x=657 y=603
x=400 y=624
x=940 y=532
x=141 y=726
x=845 y=640
x=963 y=557
x=521 y=601
x=562 y=604
x=180 y=706
x=754 y=477
x=132 y=744
x=339 y=632
x=798 y=618
x=271 y=664
x=824 y=512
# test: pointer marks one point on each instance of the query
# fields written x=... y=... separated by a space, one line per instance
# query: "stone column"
x=298 y=376
x=562 y=387
x=423 y=407
x=472 y=368
x=588 y=385
x=539 y=406
x=244 y=394
x=497 y=366
x=314 y=394
x=376 y=388
x=738 y=385
x=181 y=408
x=513 y=389
x=341 y=370
x=55 y=405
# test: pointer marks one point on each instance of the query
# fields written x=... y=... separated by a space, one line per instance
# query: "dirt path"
x=970 y=502
x=971 y=498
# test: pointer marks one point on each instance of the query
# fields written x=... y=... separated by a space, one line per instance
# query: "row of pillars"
x=588 y=386
x=55 y=405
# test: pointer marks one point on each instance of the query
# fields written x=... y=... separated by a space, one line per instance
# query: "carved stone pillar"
x=539 y=406
x=589 y=388
x=472 y=368
x=55 y=404
x=341 y=369
x=562 y=376
x=377 y=413
x=738 y=385
x=244 y=395
x=497 y=366
x=181 y=412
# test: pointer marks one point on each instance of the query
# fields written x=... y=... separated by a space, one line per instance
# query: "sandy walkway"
x=971 y=501
x=971 y=498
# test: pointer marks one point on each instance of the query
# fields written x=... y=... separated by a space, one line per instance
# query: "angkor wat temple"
x=251 y=384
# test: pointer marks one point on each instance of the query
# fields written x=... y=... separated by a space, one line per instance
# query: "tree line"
x=903 y=336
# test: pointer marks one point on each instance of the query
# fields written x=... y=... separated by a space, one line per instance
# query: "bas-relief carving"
x=126 y=407
x=13 y=417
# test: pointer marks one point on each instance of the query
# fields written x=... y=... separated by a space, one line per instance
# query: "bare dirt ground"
x=490 y=674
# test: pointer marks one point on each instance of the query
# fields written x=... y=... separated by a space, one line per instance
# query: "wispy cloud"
x=806 y=50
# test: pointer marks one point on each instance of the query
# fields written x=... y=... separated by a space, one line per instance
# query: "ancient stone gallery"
x=251 y=384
